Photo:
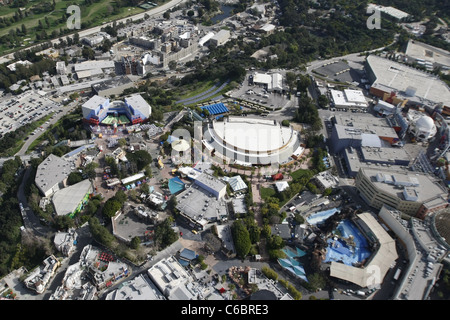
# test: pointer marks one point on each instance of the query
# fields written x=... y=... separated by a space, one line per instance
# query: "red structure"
x=277 y=176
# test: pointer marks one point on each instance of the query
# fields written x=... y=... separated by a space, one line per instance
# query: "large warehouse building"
x=52 y=174
x=132 y=110
x=418 y=87
x=72 y=199
x=249 y=142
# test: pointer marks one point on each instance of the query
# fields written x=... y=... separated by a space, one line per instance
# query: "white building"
x=220 y=38
x=138 y=288
x=348 y=99
x=60 y=67
x=421 y=126
x=65 y=241
x=172 y=280
x=211 y=184
x=272 y=82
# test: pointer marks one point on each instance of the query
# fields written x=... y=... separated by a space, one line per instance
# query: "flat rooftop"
x=351 y=98
x=427 y=188
x=385 y=154
x=419 y=50
x=197 y=204
x=89 y=65
x=357 y=124
x=138 y=102
x=211 y=181
x=408 y=82
x=51 y=171
x=67 y=200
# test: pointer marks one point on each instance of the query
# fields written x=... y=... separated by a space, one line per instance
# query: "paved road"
x=45 y=126
x=31 y=221
x=353 y=58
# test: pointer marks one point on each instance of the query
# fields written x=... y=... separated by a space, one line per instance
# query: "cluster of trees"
x=87 y=172
x=12 y=253
x=307 y=113
x=137 y=161
x=114 y=204
x=100 y=233
x=39 y=66
x=164 y=234
x=317 y=159
x=241 y=238
x=223 y=63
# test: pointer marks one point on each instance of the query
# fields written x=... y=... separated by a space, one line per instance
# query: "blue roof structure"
x=292 y=265
x=216 y=108
x=175 y=185
x=184 y=263
x=188 y=254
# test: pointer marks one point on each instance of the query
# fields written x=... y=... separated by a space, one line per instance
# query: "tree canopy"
x=241 y=238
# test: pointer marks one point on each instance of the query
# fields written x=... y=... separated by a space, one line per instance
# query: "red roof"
x=277 y=176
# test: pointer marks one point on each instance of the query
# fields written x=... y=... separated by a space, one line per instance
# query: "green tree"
x=120 y=196
x=111 y=207
x=316 y=281
x=74 y=177
x=164 y=234
x=135 y=243
x=241 y=239
x=100 y=233
x=269 y=273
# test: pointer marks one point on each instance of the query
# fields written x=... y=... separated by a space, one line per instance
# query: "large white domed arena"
x=247 y=141
x=421 y=126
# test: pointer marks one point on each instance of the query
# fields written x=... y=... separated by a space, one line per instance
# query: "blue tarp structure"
x=216 y=108
x=338 y=250
x=175 y=185
x=291 y=264
x=297 y=270
x=300 y=253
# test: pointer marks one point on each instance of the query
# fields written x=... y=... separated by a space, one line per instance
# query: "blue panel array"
x=216 y=108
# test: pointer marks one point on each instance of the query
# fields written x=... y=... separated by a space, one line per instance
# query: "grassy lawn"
x=300 y=173
x=196 y=89
x=93 y=15
x=267 y=192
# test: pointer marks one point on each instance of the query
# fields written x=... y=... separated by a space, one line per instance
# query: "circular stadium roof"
x=252 y=141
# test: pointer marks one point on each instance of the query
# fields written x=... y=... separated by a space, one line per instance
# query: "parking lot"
x=346 y=71
x=258 y=95
x=16 y=111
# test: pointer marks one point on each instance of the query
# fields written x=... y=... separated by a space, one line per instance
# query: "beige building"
x=415 y=194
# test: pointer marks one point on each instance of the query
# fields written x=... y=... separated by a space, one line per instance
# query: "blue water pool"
x=338 y=250
x=321 y=216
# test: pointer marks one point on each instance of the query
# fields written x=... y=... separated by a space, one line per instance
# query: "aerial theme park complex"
x=99 y=110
